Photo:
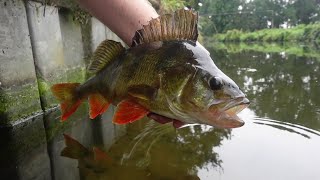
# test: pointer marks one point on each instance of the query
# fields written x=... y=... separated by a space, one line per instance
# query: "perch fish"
x=165 y=72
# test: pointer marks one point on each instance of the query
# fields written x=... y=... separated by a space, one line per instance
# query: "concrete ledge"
x=79 y=127
x=19 y=95
x=24 y=150
x=71 y=4
x=57 y=48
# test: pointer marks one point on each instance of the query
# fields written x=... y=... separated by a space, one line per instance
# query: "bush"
x=233 y=35
x=301 y=32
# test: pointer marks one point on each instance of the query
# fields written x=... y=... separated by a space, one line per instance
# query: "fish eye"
x=215 y=83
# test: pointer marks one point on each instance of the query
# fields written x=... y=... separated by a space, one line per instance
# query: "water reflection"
x=280 y=139
x=262 y=149
x=280 y=87
x=169 y=153
x=94 y=163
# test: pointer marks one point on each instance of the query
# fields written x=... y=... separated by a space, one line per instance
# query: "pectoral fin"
x=128 y=112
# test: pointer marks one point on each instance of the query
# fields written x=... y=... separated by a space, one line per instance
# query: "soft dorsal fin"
x=107 y=51
x=180 y=25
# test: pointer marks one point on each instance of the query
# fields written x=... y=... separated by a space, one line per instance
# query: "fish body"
x=168 y=74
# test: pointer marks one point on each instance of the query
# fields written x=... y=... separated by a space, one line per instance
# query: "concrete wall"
x=40 y=46
x=19 y=93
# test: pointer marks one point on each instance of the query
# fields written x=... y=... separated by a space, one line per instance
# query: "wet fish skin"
x=174 y=78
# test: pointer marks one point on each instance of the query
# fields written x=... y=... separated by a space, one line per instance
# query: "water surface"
x=280 y=140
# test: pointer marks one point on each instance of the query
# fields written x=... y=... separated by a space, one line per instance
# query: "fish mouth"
x=231 y=110
x=236 y=105
x=227 y=117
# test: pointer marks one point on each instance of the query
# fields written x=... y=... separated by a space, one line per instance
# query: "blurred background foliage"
x=219 y=16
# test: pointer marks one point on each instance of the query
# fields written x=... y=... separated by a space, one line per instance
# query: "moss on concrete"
x=75 y=75
x=78 y=14
x=81 y=16
x=19 y=102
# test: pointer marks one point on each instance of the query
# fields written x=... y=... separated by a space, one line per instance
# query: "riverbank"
x=290 y=48
x=300 y=33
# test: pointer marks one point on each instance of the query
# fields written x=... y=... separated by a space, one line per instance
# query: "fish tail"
x=73 y=148
x=67 y=95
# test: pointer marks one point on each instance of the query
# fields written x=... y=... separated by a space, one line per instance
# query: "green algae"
x=19 y=103
x=75 y=75
x=24 y=101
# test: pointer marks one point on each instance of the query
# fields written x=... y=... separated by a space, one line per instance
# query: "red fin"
x=73 y=148
x=98 y=105
x=128 y=112
x=66 y=94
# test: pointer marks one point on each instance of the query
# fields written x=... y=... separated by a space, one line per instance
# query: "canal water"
x=280 y=138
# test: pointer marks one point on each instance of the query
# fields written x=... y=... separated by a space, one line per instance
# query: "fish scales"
x=166 y=74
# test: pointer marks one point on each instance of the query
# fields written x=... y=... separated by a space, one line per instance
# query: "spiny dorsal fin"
x=107 y=51
x=180 y=25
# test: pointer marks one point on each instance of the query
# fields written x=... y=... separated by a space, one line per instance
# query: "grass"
x=300 y=33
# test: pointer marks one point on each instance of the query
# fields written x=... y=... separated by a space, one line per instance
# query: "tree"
x=219 y=16
x=307 y=11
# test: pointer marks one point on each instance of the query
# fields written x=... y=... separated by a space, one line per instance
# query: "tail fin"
x=66 y=94
x=73 y=148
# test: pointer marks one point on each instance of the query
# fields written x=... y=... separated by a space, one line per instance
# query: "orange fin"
x=73 y=148
x=98 y=105
x=128 y=112
x=66 y=94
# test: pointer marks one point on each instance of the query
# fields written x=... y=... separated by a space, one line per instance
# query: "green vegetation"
x=170 y=6
x=302 y=33
x=219 y=16
x=298 y=50
x=232 y=19
x=17 y=103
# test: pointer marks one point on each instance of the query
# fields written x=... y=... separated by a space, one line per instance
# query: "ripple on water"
x=267 y=149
